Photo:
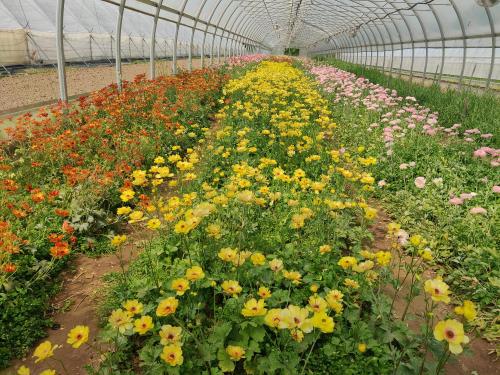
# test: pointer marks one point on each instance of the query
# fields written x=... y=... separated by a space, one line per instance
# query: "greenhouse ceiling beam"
x=114 y=2
x=184 y=15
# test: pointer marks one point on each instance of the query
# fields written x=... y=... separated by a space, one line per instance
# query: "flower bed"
x=262 y=263
x=59 y=174
x=441 y=182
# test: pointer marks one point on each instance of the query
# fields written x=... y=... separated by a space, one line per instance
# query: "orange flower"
x=60 y=249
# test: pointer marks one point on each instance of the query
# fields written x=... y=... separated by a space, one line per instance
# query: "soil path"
x=483 y=358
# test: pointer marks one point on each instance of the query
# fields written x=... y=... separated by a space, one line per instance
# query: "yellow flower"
x=297 y=335
x=314 y=288
x=170 y=334
x=347 y=262
x=118 y=240
x=296 y=317
x=214 y=231
x=274 y=319
x=195 y=273
x=254 y=308
x=468 y=310
x=228 y=255
x=426 y=254
x=167 y=306
x=159 y=160
x=362 y=347
x=172 y=354
x=231 y=287
x=23 y=370
x=370 y=213
x=77 y=336
x=48 y=372
x=452 y=331
x=143 y=324
x=180 y=286
x=383 y=257
x=182 y=227
x=438 y=290
x=135 y=216
x=44 y=350
x=121 y=320
x=235 y=352
x=317 y=303
x=123 y=210
x=264 y=292
x=325 y=249
x=351 y=283
x=133 y=306
x=276 y=265
x=245 y=196
x=293 y=276
x=258 y=259
x=127 y=195
x=153 y=224
x=323 y=322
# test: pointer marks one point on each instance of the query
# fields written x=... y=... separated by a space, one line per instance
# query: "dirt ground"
x=41 y=86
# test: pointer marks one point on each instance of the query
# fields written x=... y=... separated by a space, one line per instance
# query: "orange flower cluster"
x=69 y=153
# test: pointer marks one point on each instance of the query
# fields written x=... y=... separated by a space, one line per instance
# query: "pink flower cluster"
x=485 y=152
x=247 y=59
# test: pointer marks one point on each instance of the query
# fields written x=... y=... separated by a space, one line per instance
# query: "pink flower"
x=420 y=182
x=403 y=166
x=496 y=189
x=382 y=183
x=456 y=201
x=478 y=211
x=466 y=196
x=486 y=136
x=480 y=153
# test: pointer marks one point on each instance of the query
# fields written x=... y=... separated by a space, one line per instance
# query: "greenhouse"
x=249 y=187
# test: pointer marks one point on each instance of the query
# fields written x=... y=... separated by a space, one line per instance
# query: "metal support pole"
x=61 y=68
x=152 y=52
x=118 y=47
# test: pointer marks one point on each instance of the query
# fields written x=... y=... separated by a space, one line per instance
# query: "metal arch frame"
x=246 y=27
x=410 y=32
x=493 y=47
x=118 y=43
x=193 y=31
x=176 y=37
x=356 y=48
x=205 y=34
x=233 y=40
x=152 y=52
x=216 y=29
x=222 y=34
x=61 y=62
x=464 y=41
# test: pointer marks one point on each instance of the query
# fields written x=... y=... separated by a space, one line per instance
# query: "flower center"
x=449 y=334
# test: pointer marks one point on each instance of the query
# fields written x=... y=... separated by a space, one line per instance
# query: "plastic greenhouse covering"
x=429 y=39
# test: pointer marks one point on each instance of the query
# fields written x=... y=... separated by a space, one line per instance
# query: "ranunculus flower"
x=456 y=201
x=495 y=189
x=420 y=182
x=478 y=211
